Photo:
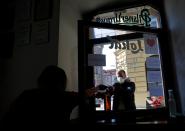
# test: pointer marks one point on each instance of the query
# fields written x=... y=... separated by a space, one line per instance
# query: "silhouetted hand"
x=91 y=92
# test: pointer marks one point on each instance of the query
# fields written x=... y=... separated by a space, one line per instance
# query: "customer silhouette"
x=49 y=105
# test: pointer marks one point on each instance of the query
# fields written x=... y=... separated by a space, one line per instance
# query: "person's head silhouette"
x=52 y=77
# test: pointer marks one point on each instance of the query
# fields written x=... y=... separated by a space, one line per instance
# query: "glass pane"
x=140 y=16
x=100 y=33
x=140 y=59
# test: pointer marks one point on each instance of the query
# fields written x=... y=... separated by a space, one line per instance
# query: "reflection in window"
x=141 y=16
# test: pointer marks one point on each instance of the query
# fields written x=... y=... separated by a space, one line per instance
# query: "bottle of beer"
x=107 y=102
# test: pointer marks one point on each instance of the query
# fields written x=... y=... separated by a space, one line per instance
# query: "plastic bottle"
x=172 y=104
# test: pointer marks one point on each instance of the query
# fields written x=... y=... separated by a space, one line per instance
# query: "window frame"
x=167 y=63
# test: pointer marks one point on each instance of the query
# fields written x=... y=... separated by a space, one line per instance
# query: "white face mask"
x=121 y=79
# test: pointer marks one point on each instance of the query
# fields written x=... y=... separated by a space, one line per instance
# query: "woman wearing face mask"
x=124 y=89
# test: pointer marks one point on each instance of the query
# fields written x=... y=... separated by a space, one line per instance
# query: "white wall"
x=68 y=42
x=176 y=16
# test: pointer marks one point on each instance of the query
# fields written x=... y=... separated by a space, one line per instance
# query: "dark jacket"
x=124 y=98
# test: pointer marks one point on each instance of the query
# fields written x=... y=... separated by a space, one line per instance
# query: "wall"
x=31 y=53
x=176 y=16
x=68 y=40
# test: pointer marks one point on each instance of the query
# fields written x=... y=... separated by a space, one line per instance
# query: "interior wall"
x=68 y=42
x=35 y=47
x=176 y=16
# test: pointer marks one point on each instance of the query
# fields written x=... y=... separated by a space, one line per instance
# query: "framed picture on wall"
x=40 y=33
x=22 y=34
x=43 y=9
x=23 y=10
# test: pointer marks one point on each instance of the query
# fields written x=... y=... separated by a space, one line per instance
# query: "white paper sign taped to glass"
x=151 y=44
x=96 y=60
x=153 y=63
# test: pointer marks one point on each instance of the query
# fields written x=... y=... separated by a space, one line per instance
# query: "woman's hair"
x=52 y=77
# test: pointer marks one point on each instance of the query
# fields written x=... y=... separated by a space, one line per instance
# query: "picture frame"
x=40 y=33
x=23 y=34
x=43 y=9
